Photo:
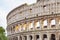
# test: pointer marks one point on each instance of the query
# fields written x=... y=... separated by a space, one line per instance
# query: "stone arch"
x=31 y=25
x=37 y=24
x=25 y=37
x=15 y=38
x=30 y=37
x=37 y=37
x=53 y=22
x=44 y=37
x=53 y=37
x=24 y=26
x=45 y=23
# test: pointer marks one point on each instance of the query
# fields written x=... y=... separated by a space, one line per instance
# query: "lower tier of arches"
x=41 y=35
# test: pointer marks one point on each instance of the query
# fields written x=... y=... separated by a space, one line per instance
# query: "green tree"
x=2 y=34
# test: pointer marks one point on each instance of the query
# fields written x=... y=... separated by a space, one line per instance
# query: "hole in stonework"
x=45 y=26
x=30 y=9
x=20 y=12
x=13 y=27
x=52 y=26
x=25 y=17
x=44 y=37
x=31 y=28
x=57 y=2
x=37 y=36
x=53 y=37
x=37 y=15
x=25 y=37
x=20 y=38
x=52 y=12
x=31 y=37
x=38 y=27
x=44 y=6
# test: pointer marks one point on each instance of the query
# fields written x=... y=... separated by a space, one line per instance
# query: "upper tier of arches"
x=29 y=11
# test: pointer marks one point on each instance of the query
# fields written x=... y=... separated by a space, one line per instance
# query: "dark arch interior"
x=25 y=37
x=53 y=37
x=44 y=36
x=20 y=38
x=30 y=37
x=37 y=36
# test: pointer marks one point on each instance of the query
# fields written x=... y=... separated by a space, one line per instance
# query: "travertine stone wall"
x=20 y=20
x=29 y=11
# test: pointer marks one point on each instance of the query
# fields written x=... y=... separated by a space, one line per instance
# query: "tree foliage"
x=2 y=34
x=2 y=30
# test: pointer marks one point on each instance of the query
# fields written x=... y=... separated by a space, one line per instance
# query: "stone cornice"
x=16 y=9
x=36 y=18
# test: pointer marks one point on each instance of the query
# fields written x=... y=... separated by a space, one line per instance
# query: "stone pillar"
x=40 y=36
x=11 y=29
x=33 y=25
x=49 y=23
x=18 y=37
x=22 y=37
x=41 y=24
x=57 y=23
x=57 y=36
x=48 y=36
x=34 y=37
x=19 y=27
x=28 y=37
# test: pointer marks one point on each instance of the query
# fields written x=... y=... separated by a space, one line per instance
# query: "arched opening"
x=16 y=28
x=37 y=37
x=30 y=37
x=37 y=24
x=13 y=28
x=24 y=26
x=44 y=37
x=15 y=38
x=53 y=37
x=25 y=37
x=20 y=38
x=53 y=22
x=31 y=24
x=20 y=27
x=45 y=23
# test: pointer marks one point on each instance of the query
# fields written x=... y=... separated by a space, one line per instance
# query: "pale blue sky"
x=7 y=5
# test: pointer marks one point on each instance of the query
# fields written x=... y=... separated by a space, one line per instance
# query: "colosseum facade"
x=38 y=21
